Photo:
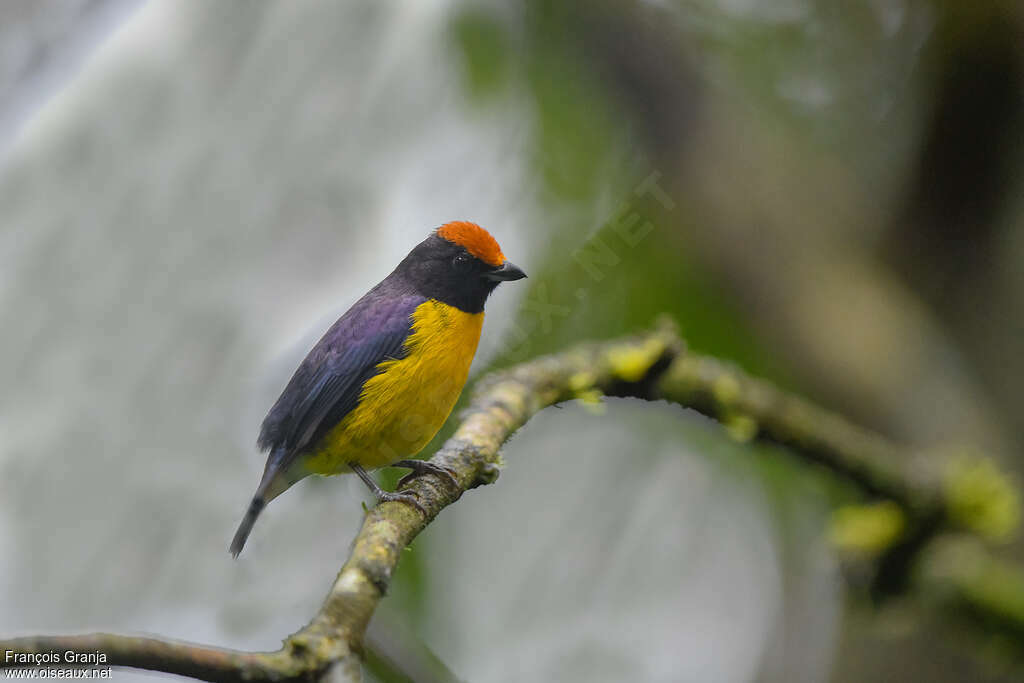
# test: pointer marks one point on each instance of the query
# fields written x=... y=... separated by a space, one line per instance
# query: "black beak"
x=507 y=271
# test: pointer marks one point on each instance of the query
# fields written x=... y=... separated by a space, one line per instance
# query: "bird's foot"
x=383 y=496
x=401 y=497
x=421 y=467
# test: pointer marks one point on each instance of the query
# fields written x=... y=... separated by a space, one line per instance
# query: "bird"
x=383 y=379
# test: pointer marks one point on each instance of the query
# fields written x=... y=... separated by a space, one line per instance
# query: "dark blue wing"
x=327 y=384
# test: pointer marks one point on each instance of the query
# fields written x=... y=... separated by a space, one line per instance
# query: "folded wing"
x=326 y=386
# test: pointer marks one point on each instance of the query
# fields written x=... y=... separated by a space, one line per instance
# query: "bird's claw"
x=401 y=497
x=422 y=467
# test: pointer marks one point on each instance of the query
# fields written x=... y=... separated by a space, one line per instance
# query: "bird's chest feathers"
x=401 y=408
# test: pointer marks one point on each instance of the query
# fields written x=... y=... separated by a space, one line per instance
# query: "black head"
x=460 y=264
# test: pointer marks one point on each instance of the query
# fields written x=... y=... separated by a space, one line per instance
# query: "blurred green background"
x=828 y=194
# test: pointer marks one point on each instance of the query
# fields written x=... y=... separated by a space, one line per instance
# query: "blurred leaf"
x=483 y=45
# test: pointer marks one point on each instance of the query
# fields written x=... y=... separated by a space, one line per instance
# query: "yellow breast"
x=403 y=407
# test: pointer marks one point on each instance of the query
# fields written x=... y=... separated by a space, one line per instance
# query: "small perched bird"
x=383 y=379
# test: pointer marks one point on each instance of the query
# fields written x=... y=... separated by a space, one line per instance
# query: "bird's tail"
x=255 y=508
x=274 y=483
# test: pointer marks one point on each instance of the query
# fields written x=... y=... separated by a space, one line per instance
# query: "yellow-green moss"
x=726 y=389
x=982 y=498
x=742 y=428
x=581 y=381
x=631 y=363
x=867 y=529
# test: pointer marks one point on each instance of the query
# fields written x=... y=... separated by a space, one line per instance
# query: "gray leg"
x=421 y=467
x=386 y=496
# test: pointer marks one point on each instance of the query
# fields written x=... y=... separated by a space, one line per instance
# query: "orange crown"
x=475 y=239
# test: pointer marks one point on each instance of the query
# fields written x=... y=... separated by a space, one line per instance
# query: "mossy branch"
x=651 y=366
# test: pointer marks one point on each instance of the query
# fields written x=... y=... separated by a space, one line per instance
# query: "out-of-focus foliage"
x=867 y=528
x=983 y=498
x=807 y=152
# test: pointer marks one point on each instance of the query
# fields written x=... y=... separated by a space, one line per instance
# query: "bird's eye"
x=461 y=262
